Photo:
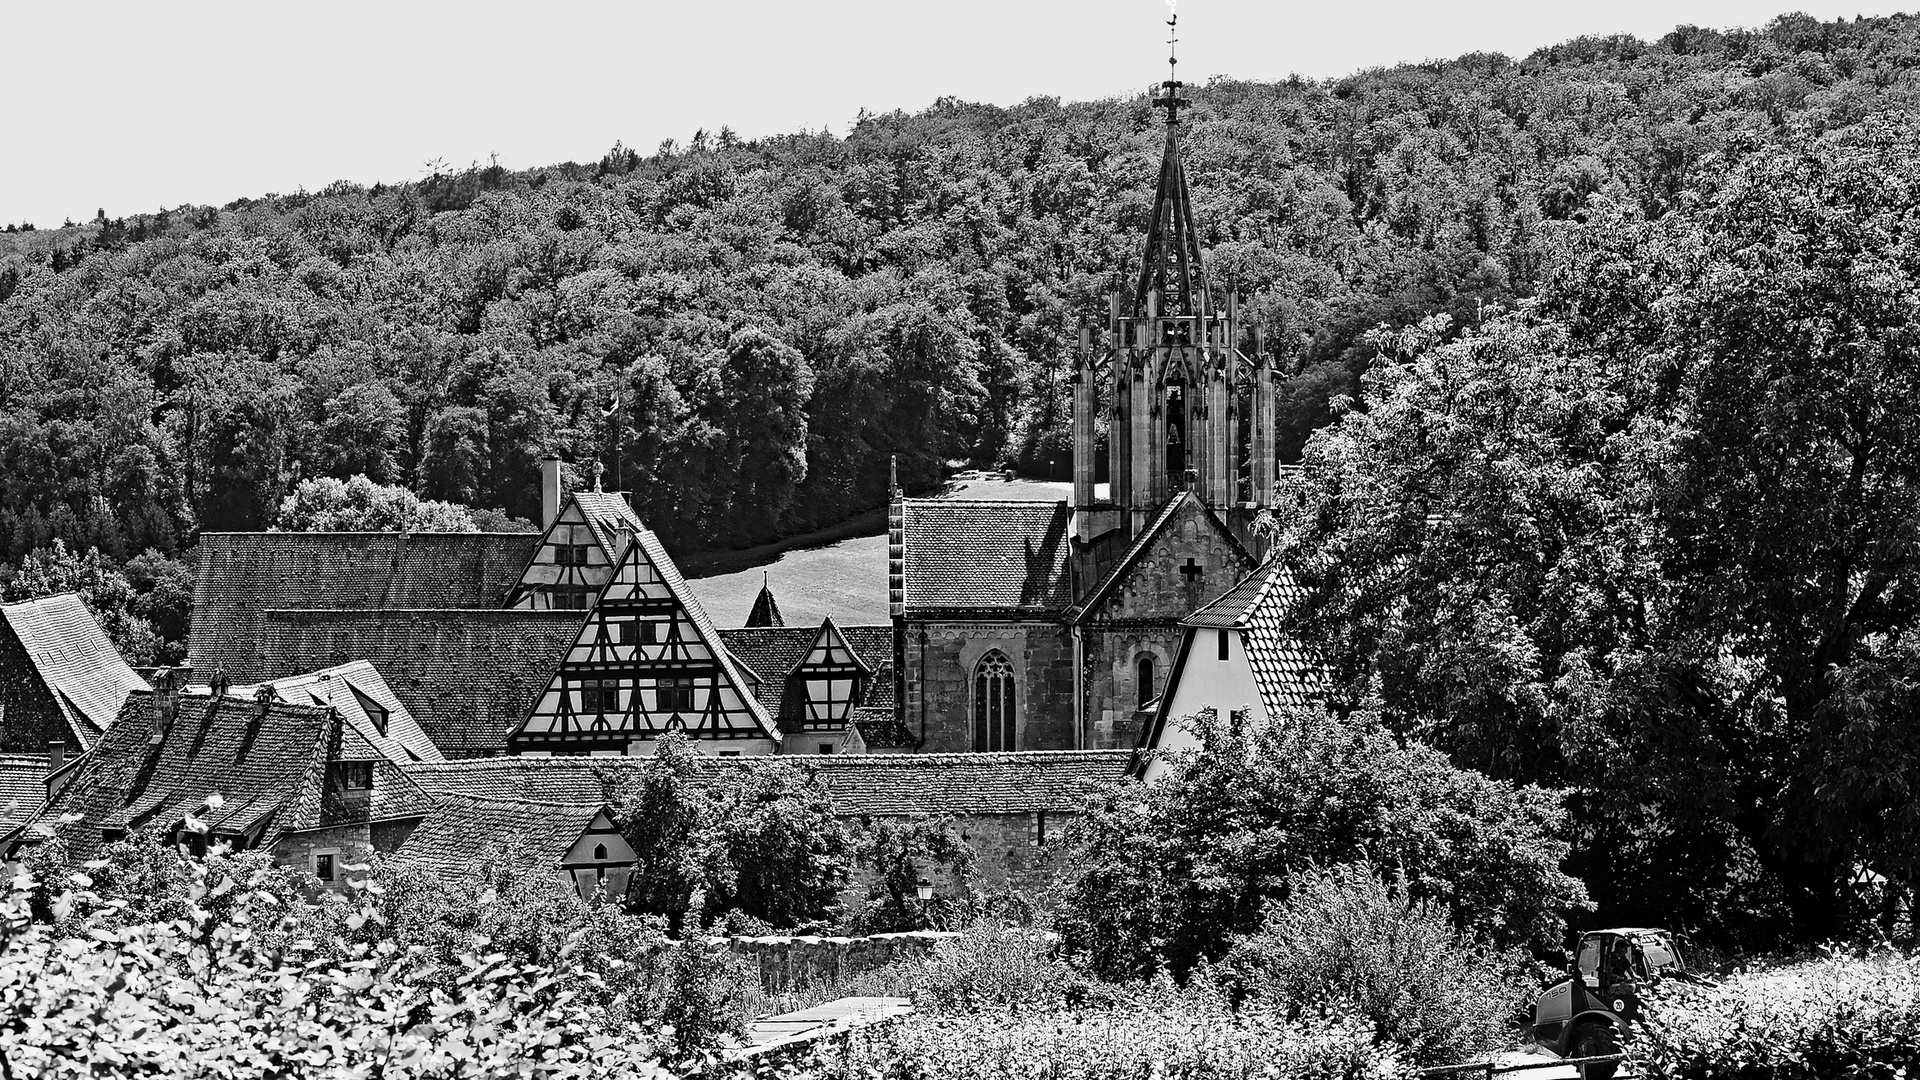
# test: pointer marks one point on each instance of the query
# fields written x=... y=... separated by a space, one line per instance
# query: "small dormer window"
x=599 y=853
x=353 y=775
x=375 y=711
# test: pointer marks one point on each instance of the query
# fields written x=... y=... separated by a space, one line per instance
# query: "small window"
x=826 y=748
x=649 y=631
x=354 y=775
x=729 y=753
x=572 y=599
x=599 y=853
x=1223 y=642
x=1143 y=682
x=570 y=554
x=675 y=695
x=600 y=696
x=375 y=711
x=323 y=865
x=1040 y=828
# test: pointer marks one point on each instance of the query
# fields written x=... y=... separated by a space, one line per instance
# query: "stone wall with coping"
x=789 y=962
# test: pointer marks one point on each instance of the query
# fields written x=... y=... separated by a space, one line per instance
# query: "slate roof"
x=1284 y=670
x=467 y=831
x=467 y=677
x=268 y=766
x=23 y=787
x=241 y=576
x=75 y=659
x=877 y=784
x=770 y=654
x=404 y=739
x=985 y=557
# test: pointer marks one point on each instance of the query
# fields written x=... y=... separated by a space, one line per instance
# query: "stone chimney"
x=165 y=703
x=549 y=491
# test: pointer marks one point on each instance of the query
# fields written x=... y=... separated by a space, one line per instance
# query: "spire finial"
x=1171 y=100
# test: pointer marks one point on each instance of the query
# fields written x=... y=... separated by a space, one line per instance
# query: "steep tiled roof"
x=23 y=787
x=879 y=730
x=466 y=831
x=984 y=556
x=608 y=514
x=75 y=659
x=467 y=677
x=242 y=575
x=403 y=740
x=1286 y=672
x=880 y=784
x=766 y=610
x=656 y=554
x=266 y=765
x=772 y=652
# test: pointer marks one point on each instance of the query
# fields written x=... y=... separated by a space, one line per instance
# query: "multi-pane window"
x=572 y=598
x=323 y=865
x=638 y=632
x=993 y=702
x=570 y=554
x=353 y=775
x=600 y=696
x=674 y=695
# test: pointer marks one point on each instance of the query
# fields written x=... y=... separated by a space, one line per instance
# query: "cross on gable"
x=1192 y=570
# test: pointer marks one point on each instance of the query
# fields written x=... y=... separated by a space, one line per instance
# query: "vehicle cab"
x=1611 y=972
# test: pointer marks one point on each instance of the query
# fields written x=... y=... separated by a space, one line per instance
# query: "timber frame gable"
x=647 y=661
x=577 y=554
x=827 y=685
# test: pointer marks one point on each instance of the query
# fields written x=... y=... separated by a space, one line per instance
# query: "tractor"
x=1589 y=1013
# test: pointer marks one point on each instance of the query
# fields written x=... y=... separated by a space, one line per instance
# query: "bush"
x=1838 y=1016
x=995 y=966
x=1167 y=1034
x=205 y=995
x=1343 y=939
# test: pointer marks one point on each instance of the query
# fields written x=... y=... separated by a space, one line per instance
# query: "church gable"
x=1184 y=558
x=646 y=661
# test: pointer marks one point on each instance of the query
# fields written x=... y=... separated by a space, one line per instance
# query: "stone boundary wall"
x=791 y=962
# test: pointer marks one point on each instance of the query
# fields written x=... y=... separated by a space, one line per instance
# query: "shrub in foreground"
x=1343 y=939
x=1839 y=1016
x=1166 y=1034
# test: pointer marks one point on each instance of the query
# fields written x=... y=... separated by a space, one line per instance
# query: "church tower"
x=1187 y=389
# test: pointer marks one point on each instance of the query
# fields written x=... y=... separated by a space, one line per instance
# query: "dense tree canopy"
x=1652 y=537
x=811 y=304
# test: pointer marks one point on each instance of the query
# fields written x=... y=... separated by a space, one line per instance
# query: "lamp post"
x=924 y=890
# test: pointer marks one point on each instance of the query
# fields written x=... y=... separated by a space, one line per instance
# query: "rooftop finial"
x=1171 y=100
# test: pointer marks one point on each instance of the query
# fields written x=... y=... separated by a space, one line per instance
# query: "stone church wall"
x=941 y=657
x=1113 y=679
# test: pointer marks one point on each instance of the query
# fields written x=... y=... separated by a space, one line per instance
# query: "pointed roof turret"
x=1171 y=264
x=766 y=610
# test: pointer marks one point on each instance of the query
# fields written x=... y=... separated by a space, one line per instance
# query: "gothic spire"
x=1171 y=264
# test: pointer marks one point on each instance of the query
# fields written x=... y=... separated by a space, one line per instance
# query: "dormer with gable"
x=647 y=661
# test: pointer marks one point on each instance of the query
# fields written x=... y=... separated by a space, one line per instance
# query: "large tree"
x=1653 y=536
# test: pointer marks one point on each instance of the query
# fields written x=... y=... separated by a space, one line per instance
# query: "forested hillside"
x=743 y=331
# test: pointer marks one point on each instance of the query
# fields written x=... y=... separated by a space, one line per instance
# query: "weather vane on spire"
x=1171 y=101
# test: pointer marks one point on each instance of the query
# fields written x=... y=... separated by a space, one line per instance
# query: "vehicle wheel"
x=1595 y=1040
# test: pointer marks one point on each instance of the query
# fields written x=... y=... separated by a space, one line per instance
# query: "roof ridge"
x=365 y=532
x=1050 y=503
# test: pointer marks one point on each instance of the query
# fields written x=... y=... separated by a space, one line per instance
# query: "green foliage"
x=324 y=504
x=1161 y=1033
x=815 y=303
x=1343 y=940
x=1168 y=873
x=1647 y=538
x=760 y=839
x=258 y=990
x=994 y=967
x=1837 y=1016
x=144 y=608
x=900 y=853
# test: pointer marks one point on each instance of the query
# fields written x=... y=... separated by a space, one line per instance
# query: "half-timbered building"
x=829 y=688
x=646 y=661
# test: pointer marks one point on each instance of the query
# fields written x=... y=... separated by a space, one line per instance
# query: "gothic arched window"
x=993 y=702
x=1143 y=681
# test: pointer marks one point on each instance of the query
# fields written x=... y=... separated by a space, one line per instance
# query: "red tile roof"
x=75 y=659
x=772 y=653
x=243 y=575
x=466 y=832
x=987 y=557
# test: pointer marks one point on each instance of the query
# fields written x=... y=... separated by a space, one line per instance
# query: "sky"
x=134 y=106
